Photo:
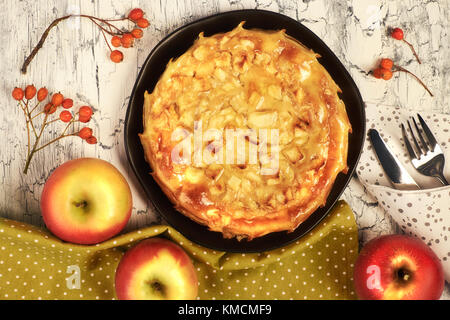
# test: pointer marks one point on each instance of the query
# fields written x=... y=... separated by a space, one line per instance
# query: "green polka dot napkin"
x=36 y=265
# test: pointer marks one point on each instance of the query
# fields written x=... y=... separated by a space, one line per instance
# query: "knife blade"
x=398 y=175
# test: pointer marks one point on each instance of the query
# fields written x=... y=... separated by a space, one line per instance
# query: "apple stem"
x=157 y=286
x=403 y=275
x=81 y=204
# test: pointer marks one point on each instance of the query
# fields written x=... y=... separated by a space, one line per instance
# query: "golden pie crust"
x=248 y=79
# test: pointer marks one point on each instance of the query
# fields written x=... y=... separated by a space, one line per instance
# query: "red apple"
x=156 y=269
x=398 y=267
x=86 y=201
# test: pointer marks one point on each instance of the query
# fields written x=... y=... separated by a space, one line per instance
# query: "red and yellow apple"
x=398 y=267
x=86 y=201
x=156 y=269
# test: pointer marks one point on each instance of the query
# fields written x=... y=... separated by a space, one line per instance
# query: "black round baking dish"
x=176 y=44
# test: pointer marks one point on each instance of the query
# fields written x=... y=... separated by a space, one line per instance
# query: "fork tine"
x=414 y=139
x=411 y=152
x=424 y=144
x=428 y=133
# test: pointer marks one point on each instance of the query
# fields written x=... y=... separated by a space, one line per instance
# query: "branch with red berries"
x=398 y=34
x=32 y=113
x=387 y=68
x=120 y=37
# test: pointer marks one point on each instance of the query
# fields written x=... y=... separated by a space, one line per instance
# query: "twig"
x=27 y=114
x=30 y=155
x=55 y=23
x=54 y=120
x=41 y=43
x=37 y=114
x=118 y=19
x=106 y=40
x=398 y=68
x=34 y=108
x=105 y=21
x=413 y=51
x=54 y=140
x=28 y=128
x=100 y=26
x=68 y=125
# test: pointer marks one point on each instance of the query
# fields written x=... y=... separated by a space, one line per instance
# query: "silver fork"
x=429 y=159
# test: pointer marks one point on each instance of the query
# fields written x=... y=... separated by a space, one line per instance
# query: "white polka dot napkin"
x=424 y=213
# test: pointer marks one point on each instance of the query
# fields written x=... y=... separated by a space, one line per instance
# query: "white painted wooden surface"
x=75 y=61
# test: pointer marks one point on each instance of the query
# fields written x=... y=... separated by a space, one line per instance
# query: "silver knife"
x=398 y=175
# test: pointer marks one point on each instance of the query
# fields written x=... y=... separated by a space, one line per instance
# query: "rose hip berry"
x=65 y=116
x=127 y=40
x=386 y=74
x=397 y=33
x=137 y=33
x=67 y=103
x=30 y=92
x=386 y=63
x=136 y=14
x=49 y=108
x=18 y=94
x=42 y=94
x=57 y=99
x=85 y=111
x=85 y=133
x=85 y=114
x=382 y=73
x=91 y=140
x=116 y=41
x=377 y=73
x=116 y=56
x=84 y=119
x=142 y=23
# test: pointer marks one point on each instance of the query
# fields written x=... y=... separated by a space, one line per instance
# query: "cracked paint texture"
x=74 y=60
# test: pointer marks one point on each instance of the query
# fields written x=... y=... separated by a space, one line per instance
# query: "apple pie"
x=245 y=132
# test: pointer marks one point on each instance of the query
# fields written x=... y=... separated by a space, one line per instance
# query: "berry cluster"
x=56 y=101
x=126 y=39
x=386 y=68
x=384 y=71
x=120 y=37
